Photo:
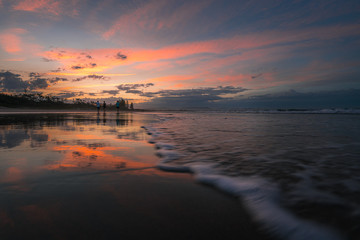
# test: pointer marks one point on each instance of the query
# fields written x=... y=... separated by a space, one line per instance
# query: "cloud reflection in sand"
x=73 y=142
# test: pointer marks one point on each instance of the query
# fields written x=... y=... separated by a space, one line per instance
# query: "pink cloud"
x=10 y=40
x=54 y=8
x=138 y=18
x=263 y=47
x=155 y=16
x=182 y=14
x=50 y=6
x=242 y=42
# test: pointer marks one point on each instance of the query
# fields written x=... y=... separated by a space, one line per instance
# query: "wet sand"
x=125 y=205
x=77 y=177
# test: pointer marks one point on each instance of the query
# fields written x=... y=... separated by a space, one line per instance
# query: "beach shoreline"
x=132 y=205
x=61 y=200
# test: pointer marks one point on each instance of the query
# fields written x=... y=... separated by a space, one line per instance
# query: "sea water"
x=298 y=173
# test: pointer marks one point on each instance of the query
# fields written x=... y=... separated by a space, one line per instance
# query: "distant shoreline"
x=24 y=109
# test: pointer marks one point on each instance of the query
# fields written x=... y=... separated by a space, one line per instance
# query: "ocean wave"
x=261 y=197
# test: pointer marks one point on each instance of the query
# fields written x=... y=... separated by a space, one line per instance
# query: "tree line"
x=38 y=100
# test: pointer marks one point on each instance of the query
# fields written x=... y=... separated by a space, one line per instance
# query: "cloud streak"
x=38 y=5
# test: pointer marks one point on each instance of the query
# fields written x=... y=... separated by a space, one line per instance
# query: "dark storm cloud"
x=126 y=87
x=188 y=98
x=34 y=74
x=58 y=70
x=38 y=83
x=86 y=55
x=138 y=92
x=57 y=79
x=47 y=59
x=121 y=56
x=77 y=67
x=93 y=76
x=12 y=82
x=111 y=92
x=210 y=91
x=79 y=79
x=285 y=100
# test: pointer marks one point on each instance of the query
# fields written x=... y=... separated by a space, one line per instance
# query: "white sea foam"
x=261 y=196
x=302 y=111
x=173 y=168
x=167 y=155
x=162 y=145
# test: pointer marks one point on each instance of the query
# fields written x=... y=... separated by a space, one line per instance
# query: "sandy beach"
x=129 y=205
x=78 y=176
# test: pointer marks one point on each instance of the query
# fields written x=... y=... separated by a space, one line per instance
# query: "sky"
x=171 y=54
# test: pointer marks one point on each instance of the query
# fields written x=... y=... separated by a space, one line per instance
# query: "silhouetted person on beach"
x=104 y=106
x=98 y=106
x=117 y=105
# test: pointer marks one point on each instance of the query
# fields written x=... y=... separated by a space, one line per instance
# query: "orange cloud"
x=97 y=60
x=261 y=46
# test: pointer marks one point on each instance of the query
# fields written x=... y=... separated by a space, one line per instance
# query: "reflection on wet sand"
x=89 y=176
x=73 y=142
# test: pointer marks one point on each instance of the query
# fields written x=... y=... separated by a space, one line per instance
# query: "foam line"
x=260 y=200
x=259 y=196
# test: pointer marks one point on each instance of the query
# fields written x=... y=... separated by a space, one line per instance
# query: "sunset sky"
x=181 y=54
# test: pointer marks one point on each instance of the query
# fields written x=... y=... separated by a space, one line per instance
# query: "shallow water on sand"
x=89 y=176
x=295 y=171
x=298 y=174
x=36 y=143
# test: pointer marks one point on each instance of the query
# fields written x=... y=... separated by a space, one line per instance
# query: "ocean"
x=296 y=172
